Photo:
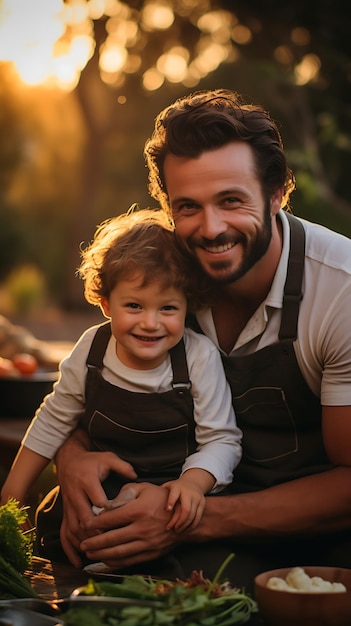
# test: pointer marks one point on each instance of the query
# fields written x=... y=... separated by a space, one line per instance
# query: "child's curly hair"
x=140 y=242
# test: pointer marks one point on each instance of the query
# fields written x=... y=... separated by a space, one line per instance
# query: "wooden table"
x=53 y=581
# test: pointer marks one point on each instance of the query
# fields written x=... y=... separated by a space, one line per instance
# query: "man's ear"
x=105 y=306
x=276 y=201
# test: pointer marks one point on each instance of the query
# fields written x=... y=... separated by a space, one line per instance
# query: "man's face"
x=219 y=210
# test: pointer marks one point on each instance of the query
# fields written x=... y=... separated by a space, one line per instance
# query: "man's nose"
x=212 y=224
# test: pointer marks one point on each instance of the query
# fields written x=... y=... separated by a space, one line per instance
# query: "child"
x=127 y=383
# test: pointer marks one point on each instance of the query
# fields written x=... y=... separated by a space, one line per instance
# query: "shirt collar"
x=275 y=296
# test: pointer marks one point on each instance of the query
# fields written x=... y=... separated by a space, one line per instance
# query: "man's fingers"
x=121 y=556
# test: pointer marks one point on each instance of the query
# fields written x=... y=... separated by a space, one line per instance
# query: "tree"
x=292 y=57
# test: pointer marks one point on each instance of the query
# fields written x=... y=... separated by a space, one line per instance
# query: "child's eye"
x=133 y=305
x=169 y=307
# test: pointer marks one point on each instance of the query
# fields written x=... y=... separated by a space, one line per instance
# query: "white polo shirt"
x=323 y=346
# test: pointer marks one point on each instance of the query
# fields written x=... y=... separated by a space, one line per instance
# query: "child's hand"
x=188 y=503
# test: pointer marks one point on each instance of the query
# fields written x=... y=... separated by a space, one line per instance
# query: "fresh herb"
x=12 y=583
x=194 y=602
x=16 y=545
x=16 y=550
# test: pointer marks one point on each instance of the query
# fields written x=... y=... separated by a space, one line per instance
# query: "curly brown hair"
x=139 y=242
x=207 y=120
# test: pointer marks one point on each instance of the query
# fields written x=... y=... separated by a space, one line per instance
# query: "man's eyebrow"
x=183 y=199
x=218 y=195
x=228 y=192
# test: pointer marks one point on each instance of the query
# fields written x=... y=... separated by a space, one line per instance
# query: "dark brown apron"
x=155 y=432
x=278 y=413
x=282 y=440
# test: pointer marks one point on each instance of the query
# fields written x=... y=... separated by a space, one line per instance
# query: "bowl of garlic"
x=304 y=596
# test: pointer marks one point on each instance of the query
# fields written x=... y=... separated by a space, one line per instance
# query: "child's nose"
x=150 y=320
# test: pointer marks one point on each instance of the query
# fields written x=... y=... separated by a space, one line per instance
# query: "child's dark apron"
x=155 y=432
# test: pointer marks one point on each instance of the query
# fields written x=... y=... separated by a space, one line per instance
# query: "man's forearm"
x=320 y=503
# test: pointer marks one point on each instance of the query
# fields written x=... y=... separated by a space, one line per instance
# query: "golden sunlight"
x=157 y=15
x=49 y=42
x=29 y=38
x=308 y=69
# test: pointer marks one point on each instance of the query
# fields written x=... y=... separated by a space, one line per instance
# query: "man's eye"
x=186 y=207
x=231 y=200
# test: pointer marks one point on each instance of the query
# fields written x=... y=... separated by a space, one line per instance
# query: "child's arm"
x=188 y=491
x=25 y=469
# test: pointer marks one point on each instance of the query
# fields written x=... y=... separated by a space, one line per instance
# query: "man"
x=281 y=320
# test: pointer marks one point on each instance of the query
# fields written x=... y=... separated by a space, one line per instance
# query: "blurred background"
x=81 y=82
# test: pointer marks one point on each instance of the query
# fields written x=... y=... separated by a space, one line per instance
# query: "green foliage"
x=12 y=245
x=16 y=546
x=25 y=286
x=16 y=550
x=12 y=583
x=66 y=164
x=195 y=602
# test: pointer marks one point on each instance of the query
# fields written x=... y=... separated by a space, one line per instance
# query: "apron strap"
x=179 y=363
x=181 y=379
x=99 y=345
x=293 y=284
x=95 y=358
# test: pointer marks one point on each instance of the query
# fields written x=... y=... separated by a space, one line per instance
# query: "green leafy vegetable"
x=194 y=602
x=16 y=546
x=12 y=583
x=16 y=550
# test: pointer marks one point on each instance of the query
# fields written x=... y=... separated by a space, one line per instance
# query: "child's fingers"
x=180 y=526
x=187 y=515
x=174 y=495
x=174 y=519
x=190 y=517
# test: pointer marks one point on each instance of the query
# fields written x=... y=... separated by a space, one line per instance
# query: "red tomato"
x=7 y=368
x=25 y=363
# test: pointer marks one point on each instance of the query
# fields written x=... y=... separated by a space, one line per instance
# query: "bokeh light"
x=49 y=42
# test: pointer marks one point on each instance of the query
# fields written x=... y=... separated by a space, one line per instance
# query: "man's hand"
x=80 y=473
x=134 y=533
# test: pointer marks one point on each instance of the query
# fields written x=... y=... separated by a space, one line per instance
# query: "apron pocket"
x=147 y=450
x=269 y=428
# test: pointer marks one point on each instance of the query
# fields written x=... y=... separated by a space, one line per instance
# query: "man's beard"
x=253 y=252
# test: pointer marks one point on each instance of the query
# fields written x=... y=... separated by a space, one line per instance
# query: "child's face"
x=146 y=321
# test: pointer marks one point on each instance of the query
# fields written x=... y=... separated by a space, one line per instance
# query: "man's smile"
x=218 y=249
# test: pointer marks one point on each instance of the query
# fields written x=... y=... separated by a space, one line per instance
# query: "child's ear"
x=105 y=305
